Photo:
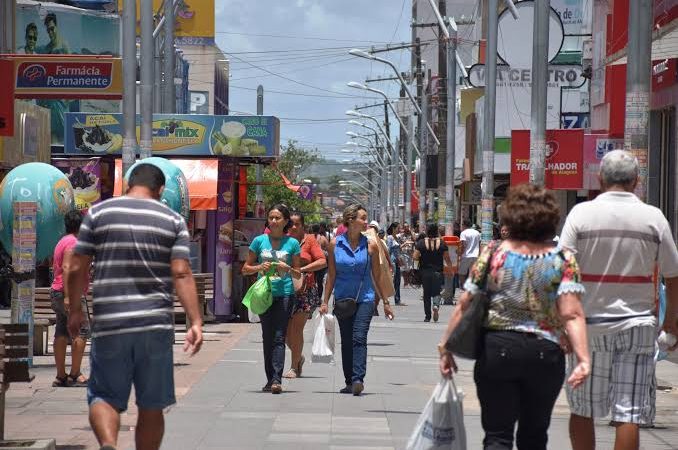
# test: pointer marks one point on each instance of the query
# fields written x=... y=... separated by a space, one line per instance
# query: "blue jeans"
x=273 y=331
x=144 y=359
x=354 y=342
x=396 y=283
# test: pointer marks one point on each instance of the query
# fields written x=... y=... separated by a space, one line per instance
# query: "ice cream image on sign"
x=226 y=269
x=233 y=132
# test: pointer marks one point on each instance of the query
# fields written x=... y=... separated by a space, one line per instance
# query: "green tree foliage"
x=293 y=160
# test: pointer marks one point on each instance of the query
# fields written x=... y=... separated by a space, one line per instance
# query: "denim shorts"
x=61 y=326
x=143 y=359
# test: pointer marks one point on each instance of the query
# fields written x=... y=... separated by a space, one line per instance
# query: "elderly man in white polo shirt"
x=619 y=242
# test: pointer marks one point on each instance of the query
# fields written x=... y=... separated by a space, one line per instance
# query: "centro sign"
x=559 y=76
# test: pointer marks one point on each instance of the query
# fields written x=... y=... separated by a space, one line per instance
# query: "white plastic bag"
x=253 y=318
x=441 y=424
x=323 y=339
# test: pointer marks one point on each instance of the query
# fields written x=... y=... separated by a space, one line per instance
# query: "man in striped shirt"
x=619 y=242
x=140 y=250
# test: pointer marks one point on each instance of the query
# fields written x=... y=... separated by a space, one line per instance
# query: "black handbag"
x=345 y=308
x=466 y=340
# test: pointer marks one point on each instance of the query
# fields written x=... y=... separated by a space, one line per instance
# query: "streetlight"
x=363 y=176
x=355 y=85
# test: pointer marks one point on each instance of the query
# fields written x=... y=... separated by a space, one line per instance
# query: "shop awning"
x=201 y=175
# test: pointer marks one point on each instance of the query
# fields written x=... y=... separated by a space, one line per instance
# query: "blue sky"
x=307 y=42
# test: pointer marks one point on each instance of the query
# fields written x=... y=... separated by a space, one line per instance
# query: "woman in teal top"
x=280 y=251
x=353 y=262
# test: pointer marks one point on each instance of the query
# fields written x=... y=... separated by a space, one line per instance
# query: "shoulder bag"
x=466 y=340
x=345 y=307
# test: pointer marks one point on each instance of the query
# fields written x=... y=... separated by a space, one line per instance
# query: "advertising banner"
x=6 y=99
x=67 y=77
x=85 y=177
x=52 y=29
x=178 y=135
x=595 y=147
x=24 y=240
x=564 y=159
x=223 y=278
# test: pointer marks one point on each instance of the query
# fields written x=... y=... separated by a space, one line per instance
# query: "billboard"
x=564 y=159
x=67 y=77
x=6 y=100
x=194 y=22
x=178 y=135
x=53 y=29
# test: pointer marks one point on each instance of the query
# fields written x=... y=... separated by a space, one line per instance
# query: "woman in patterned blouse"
x=534 y=316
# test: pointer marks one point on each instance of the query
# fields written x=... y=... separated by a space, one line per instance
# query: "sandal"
x=75 y=381
x=60 y=382
x=292 y=373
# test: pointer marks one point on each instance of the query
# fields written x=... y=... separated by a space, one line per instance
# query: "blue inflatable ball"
x=175 y=194
x=51 y=189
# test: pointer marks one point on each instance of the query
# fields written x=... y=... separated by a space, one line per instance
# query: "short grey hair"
x=618 y=167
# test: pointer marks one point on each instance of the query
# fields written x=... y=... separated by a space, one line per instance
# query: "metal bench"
x=204 y=283
x=14 y=364
x=44 y=317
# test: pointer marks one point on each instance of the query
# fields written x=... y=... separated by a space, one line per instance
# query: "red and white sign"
x=6 y=99
x=664 y=73
x=564 y=160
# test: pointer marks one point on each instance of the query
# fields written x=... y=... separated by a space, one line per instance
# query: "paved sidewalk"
x=226 y=410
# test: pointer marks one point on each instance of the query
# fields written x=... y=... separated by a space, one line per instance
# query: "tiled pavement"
x=221 y=406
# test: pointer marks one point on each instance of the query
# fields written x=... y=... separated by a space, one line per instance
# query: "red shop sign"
x=564 y=160
x=664 y=73
x=7 y=98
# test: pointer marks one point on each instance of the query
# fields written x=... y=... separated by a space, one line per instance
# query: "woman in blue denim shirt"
x=353 y=263
x=275 y=248
x=394 y=252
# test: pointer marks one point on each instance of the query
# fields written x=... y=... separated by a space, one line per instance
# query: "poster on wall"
x=178 y=135
x=85 y=176
x=595 y=147
x=223 y=277
x=52 y=29
x=564 y=159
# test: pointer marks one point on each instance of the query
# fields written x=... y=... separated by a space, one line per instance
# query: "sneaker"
x=348 y=389
x=358 y=388
x=428 y=319
x=435 y=314
x=276 y=388
x=267 y=388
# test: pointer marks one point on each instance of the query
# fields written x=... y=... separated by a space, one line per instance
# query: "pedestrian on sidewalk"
x=406 y=240
x=321 y=235
x=395 y=255
x=619 y=242
x=385 y=279
x=470 y=249
x=353 y=262
x=307 y=299
x=432 y=254
x=62 y=254
x=534 y=290
x=141 y=251
x=281 y=251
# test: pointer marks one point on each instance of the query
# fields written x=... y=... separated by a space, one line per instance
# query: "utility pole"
x=451 y=126
x=390 y=160
x=158 y=84
x=487 y=185
x=7 y=25
x=383 y=194
x=423 y=148
x=259 y=209
x=147 y=53
x=129 y=77
x=443 y=85
x=638 y=68
x=405 y=144
x=540 y=63
x=408 y=172
x=169 y=101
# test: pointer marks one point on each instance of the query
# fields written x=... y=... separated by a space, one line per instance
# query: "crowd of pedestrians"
x=579 y=310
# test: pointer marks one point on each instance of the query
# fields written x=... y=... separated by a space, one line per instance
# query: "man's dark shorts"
x=143 y=359
x=57 y=302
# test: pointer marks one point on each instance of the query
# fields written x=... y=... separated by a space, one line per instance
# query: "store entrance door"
x=662 y=182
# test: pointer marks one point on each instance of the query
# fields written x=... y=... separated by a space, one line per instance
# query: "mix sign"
x=68 y=77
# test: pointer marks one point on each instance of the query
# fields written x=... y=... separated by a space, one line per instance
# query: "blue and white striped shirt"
x=133 y=242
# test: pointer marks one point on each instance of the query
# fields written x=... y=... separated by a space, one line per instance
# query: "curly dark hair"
x=531 y=213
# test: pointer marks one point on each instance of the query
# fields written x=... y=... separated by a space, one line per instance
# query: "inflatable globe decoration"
x=51 y=190
x=175 y=195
